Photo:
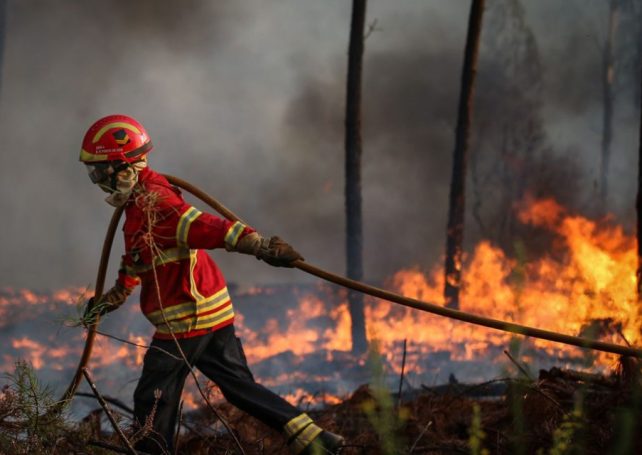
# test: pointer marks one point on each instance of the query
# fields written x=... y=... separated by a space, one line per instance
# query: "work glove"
x=107 y=303
x=274 y=251
x=277 y=252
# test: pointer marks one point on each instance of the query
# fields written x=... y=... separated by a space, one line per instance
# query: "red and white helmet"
x=115 y=138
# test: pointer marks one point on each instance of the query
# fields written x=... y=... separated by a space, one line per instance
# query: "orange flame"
x=594 y=280
x=587 y=280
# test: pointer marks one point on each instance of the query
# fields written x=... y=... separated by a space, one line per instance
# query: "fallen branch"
x=110 y=416
x=421 y=435
x=116 y=402
x=519 y=367
x=112 y=447
x=578 y=376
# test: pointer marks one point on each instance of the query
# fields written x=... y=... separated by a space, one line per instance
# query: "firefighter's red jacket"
x=183 y=290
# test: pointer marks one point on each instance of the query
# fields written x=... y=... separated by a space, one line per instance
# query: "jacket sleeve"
x=196 y=229
x=127 y=277
x=190 y=227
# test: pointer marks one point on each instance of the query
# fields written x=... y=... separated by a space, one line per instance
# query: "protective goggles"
x=101 y=172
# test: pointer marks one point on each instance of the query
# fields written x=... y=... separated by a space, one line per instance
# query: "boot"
x=326 y=443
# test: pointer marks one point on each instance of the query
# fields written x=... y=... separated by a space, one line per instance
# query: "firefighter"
x=183 y=292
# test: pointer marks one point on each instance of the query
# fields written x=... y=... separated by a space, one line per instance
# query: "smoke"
x=246 y=101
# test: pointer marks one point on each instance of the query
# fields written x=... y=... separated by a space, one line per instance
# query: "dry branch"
x=519 y=367
x=110 y=416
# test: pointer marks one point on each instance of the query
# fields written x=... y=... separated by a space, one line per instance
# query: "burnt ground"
x=559 y=412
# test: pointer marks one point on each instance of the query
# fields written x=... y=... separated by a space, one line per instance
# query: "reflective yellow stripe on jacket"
x=182 y=228
x=177 y=315
x=233 y=234
x=163 y=257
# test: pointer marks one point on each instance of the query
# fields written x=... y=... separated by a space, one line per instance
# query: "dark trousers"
x=219 y=356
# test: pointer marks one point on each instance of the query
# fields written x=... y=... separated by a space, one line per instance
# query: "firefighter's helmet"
x=115 y=138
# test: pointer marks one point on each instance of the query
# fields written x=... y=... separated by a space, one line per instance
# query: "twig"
x=116 y=402
x=122 y=340
x=420 y=436
x=535 y=388
x=472 y=388
x=113 y=448
x=619 y=332
x=372 y=27
x=548 y=397
x=178 y=427
x=521 y=368
x=444 y=448
x=119 y=404
x=403 y=367
x=102 y=402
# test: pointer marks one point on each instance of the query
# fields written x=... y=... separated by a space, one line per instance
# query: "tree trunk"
x=638 y=202
x=354 y=228
x=3 y=32
x=455 y=230
x=608 y=75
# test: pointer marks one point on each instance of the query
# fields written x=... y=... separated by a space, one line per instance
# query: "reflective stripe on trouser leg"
x=294 y=426
x=304 y=438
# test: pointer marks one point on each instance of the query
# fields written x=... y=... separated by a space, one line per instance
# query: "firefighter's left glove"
x=278 y=253
x=107 y=303
x=274 y=251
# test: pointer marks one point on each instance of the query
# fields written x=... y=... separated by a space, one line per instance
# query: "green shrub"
x=27 y=425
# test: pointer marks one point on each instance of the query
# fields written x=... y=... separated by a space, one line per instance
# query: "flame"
x=191 y=399
x=298 y=335
x=585 y=284
x=18 y=297
x=140 y=351
x=301 y=397
x=39 y=354
x=590 y=278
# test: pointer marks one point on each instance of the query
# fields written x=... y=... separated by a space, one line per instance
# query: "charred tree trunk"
x=455 y=230
x=608 y=75
x=3 y=32
x=354 y=225
x=638 y=203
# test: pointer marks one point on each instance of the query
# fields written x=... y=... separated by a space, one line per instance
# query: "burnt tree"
x=455 y=229
x=608 y=76
x=3 y=32
x=354 y=224
x=638 y=204
x=512 y=156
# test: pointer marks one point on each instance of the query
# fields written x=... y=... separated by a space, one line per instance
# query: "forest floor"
x=559 y=412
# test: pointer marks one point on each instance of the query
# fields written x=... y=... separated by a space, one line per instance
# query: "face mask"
x=120 y=187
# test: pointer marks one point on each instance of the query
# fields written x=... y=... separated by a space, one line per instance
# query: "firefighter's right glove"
x=277 y=252
x=107 y=303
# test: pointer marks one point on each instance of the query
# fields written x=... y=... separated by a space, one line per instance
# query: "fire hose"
x=373 y=291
